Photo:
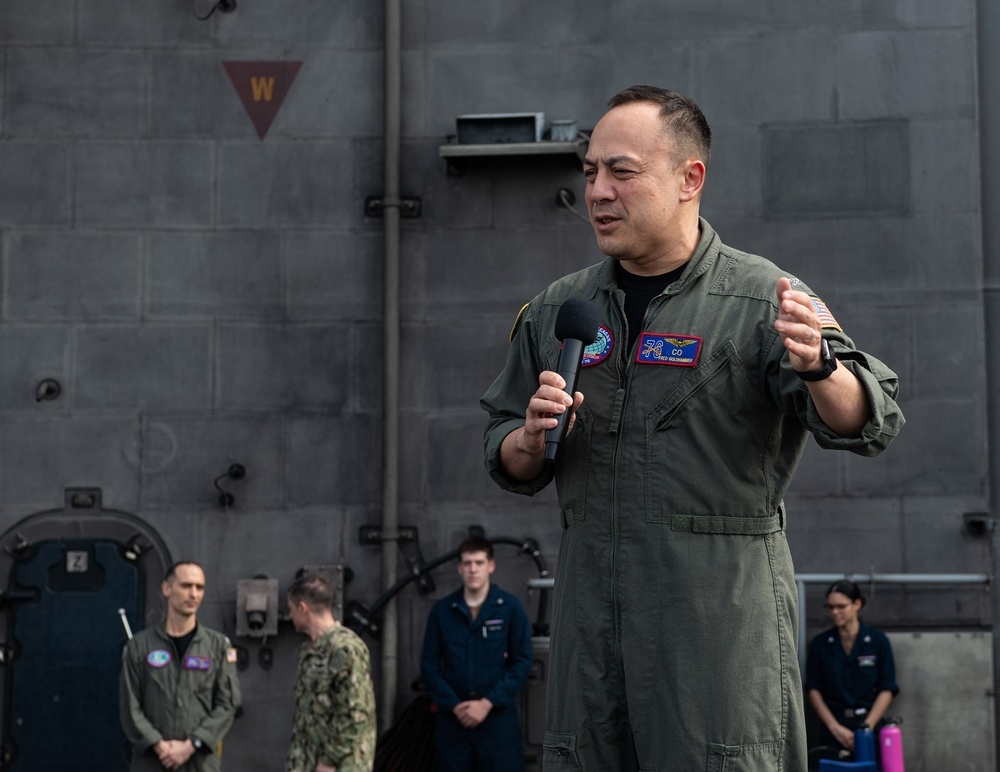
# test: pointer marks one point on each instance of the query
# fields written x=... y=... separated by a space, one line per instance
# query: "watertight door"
x=67 y=636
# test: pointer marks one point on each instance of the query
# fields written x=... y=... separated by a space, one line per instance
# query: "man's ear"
x=165 y=589
x=694 y=179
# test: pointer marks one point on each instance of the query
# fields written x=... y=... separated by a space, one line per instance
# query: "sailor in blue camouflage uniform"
x=476 y=658
x=334 y=727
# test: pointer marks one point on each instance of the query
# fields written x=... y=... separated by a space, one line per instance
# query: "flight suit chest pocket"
x=198 y=671
x=159 y=669
x=704 y=443
x=719 y=373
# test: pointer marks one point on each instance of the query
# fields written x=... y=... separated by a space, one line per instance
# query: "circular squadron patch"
x=600 y=349
x=158 y=658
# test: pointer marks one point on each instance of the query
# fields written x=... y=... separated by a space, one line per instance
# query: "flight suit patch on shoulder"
x=517 y=321
x=826 y=320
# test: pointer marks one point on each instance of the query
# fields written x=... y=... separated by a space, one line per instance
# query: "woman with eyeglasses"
x=850 y=674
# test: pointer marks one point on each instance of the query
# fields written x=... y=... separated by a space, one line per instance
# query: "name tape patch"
x=192 y=662
x=668 y=349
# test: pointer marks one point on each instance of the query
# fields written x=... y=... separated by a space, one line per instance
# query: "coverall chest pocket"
x=494 y=634
x=863 y=676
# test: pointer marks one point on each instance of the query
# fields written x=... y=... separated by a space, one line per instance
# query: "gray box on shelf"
x=563 y=131
x=500 y=128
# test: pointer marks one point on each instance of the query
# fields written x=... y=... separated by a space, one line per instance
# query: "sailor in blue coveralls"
x=850 y=673
x=476 y=657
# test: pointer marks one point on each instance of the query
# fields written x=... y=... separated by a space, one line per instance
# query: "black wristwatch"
x=829 y=364
x=196 y=742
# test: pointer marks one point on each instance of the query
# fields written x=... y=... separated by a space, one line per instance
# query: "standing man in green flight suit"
x=675 y=615
x=178 y=691
x=334 y=728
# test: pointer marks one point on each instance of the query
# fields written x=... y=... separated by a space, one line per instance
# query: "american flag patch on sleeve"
x=826 y=319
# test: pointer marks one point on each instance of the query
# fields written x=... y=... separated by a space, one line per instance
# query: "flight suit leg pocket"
x=559 y=752
x=759 y=757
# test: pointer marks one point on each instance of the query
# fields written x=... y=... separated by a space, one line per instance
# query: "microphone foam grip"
x=577 y=320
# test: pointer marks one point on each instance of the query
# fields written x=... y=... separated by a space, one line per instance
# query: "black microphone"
x=576 y=327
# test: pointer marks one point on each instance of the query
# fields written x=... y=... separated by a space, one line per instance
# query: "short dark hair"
x=680 y=115
x=313 y=590
x=848 y=588
x=172 y=571
x=476 y=544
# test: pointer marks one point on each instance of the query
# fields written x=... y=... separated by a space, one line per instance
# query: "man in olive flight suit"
x=179 y=692
x=674 y=624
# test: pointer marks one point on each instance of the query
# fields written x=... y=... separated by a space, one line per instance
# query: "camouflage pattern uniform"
x=334 y=719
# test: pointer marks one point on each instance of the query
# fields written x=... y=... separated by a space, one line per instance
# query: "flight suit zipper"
x=618 y=415
x=626 y=368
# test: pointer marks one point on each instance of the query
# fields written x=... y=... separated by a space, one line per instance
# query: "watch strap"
x=829 y=365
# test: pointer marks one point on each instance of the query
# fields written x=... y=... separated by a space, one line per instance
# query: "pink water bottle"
x=890 y=741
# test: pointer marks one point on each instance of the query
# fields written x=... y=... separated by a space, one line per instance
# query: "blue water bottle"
x=864 y=744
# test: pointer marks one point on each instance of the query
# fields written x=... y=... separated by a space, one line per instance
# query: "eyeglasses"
x=837 y=606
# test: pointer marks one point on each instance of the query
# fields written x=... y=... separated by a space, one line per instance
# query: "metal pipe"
x=390 y=483
x=896 y=578
x=801 y=580
x=988 y=72
x=550 y=582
